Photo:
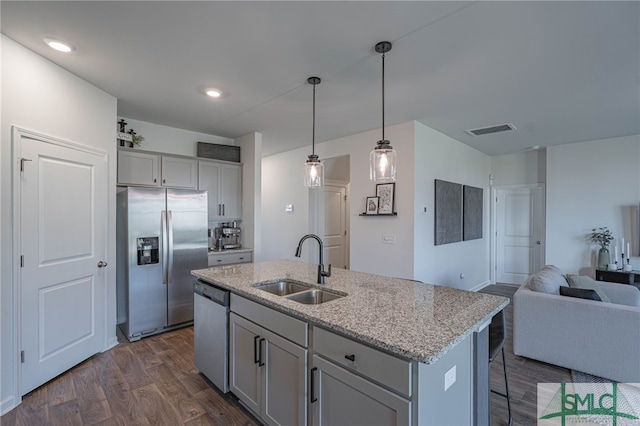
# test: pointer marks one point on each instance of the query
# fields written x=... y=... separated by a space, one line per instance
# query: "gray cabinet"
x=178 y=172
x=355 y=384
x=339 y=397
x=138 y=168
x=224 y=185
x=268 y=371
x=150 y=169
x=229 y=258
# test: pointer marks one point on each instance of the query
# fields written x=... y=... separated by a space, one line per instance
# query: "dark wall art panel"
x=472 y=216
x=448 y=212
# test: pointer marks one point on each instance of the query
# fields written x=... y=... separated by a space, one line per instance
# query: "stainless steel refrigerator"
x=161 y=237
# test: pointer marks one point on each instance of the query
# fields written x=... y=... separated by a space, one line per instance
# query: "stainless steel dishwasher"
x=211 y=333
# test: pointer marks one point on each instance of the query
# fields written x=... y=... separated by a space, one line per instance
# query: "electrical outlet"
x=424 y=209
x=288 y=208
x=388 y=239
x=449 y=377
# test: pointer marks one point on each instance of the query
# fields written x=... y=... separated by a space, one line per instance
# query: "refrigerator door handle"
x=170 y=246
x=163 y=215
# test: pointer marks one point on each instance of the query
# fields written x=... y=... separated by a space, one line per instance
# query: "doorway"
x=518 y=240
x=60 y=234
x=329 y=212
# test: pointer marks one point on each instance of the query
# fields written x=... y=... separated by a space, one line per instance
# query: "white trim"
x=480 y=286
x=7 y=404
x=17 y=133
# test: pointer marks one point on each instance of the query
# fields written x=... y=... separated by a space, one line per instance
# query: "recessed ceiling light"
x=214 y=93
x=59 y=45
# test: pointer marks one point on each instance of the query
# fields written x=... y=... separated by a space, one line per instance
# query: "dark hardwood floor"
x=149 y=382
x=153 y=381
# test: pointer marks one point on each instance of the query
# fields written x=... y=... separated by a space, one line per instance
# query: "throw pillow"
x=547 y=280
x=585 y=282
x=581 y=293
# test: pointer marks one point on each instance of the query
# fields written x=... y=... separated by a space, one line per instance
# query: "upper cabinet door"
x=179 y=172
x=224 y=184
x=208 y=180
x=231 y=190
x=138 y=168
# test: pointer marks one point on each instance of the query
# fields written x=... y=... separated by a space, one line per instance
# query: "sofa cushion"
x=582 y=293
x=585 y=282
x=547 y=280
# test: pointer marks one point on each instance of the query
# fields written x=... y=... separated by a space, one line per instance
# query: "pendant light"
x=382 y=160
x=313 y=168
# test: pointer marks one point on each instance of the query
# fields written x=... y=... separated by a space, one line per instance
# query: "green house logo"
x=586 y=403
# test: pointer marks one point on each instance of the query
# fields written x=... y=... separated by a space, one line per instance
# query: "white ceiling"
x=561 y=72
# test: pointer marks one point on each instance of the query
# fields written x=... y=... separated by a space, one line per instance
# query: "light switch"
x=288 y=208
x=388 y=239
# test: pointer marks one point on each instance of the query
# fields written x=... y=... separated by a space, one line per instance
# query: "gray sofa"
x=595 y=337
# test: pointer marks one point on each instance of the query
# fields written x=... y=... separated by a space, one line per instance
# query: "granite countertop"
x=413 y=320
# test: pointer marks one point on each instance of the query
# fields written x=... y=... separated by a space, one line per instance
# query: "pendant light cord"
x=313 y=126
x=383 y=98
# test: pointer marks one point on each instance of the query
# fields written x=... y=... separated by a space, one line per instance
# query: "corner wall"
x=251 y=153
x=590 y=185
x=40 y=96
x=282 y=184
x=438 y=156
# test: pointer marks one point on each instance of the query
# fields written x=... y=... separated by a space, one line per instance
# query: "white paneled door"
x=62 y=213
x=519 y=231
x=334 y=226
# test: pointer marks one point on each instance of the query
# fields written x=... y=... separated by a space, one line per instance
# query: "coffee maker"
x=227 y=236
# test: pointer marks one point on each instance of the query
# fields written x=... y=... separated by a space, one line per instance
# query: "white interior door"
x=519 y=231
x=334 y=227
x=62 y=236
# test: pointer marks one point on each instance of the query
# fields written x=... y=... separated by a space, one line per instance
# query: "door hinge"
x=22 y=160
x=345 y=232
x=345 y=198
x=22 y=261
x=21 y=357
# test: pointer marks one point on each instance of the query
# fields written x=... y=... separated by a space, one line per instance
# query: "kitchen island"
x=417 y=350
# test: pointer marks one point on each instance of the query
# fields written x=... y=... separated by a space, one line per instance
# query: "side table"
x=623 y=277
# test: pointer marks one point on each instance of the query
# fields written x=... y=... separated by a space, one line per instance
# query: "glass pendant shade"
x=382 y=164
x=313 y=172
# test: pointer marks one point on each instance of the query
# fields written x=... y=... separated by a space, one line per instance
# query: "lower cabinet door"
x=245 y=378
x=339 y=397
x=285 y=382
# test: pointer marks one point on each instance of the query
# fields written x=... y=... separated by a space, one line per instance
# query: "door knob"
x=102 y=264
x=538 y=242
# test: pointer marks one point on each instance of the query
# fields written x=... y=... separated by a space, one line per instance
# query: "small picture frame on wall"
x=386 y=193
x=372 y=205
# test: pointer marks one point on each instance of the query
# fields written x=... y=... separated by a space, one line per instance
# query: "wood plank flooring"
x=153 y=381
x=149 y=382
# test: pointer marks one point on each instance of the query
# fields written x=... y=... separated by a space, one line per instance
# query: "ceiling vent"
x=493 y=129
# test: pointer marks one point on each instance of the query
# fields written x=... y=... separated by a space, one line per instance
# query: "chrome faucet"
x=321 y=272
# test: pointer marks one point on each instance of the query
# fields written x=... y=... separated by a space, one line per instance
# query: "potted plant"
x=603 y=237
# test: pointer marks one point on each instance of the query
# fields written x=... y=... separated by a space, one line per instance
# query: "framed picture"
x=386 y=193
x=372 y=205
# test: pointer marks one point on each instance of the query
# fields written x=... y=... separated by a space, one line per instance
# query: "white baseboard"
x=7 y=404
x=480 y=286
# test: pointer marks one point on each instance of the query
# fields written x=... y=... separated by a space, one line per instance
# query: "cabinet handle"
x=241 y=258
x=261 y=362
x=256 y=357
x=219 y=209
x=155 y=180
x=223 y=210
x=312 y=380
x=351 y=357
x=164 y=181
x=219 y=260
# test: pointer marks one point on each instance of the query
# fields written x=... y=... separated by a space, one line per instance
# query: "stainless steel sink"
x=314 y=297
x=282 y=287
